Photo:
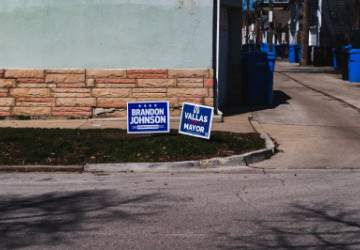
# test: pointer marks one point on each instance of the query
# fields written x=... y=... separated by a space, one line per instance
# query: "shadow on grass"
x=320 y=226
x=44 y=219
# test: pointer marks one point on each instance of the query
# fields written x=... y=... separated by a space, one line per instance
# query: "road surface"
x=288 y=209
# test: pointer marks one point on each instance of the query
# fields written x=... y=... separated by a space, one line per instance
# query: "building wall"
x=336 y=24
x=86 y=93
x=130 y=34
x=118 y=50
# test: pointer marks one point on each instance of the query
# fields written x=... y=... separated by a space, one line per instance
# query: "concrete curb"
x=240 y=161
x=231 y=162
x=181 y=165
x=41 y=168
x=263 y=154
x=269 y=144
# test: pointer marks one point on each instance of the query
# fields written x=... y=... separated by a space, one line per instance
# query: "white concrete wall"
x=106 y=34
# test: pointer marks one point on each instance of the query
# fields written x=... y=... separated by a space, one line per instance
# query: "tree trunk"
x=305 y=35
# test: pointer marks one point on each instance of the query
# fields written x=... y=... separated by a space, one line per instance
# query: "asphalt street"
x=297 y=209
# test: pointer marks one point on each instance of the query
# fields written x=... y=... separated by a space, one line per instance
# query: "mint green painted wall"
x=106 y=34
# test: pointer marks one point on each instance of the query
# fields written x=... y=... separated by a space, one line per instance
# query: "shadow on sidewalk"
x=279 y=98
x=303 y=70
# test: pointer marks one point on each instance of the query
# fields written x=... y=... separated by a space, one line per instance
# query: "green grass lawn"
x=65 y=146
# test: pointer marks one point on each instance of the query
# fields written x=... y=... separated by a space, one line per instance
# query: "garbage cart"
x=345 y=61
x=354 y=65
x=264 y=47
x=258 y=70
x=298 y=52
x=292 y=51
x=335 y=58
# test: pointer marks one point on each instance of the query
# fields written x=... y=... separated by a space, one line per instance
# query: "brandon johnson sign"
x=148 y=117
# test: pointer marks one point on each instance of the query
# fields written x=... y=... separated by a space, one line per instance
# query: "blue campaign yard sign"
x=148 y=117
x=196 y=120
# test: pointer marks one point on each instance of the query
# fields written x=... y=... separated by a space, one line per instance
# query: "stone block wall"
x=53 y=93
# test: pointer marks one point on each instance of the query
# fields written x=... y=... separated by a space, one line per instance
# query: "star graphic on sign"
x=145 y=106
x=139 y=106
x=150 y=105
x=155 y=105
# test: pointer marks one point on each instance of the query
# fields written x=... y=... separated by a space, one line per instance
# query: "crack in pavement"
x=246 y=202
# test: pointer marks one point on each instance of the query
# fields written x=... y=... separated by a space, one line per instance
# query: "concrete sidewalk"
x=237 y=123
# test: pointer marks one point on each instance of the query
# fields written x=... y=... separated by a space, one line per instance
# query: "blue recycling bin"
x=264 y=47
x=271 y=56
x=292 y=52
x=354 y=65
x=258 y=70
x=335 y=63
x=298 y=52
x=345 y=61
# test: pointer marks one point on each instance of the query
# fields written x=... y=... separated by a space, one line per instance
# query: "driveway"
x=315 y=119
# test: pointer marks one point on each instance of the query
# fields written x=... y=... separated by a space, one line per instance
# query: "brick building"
x=75 y=58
